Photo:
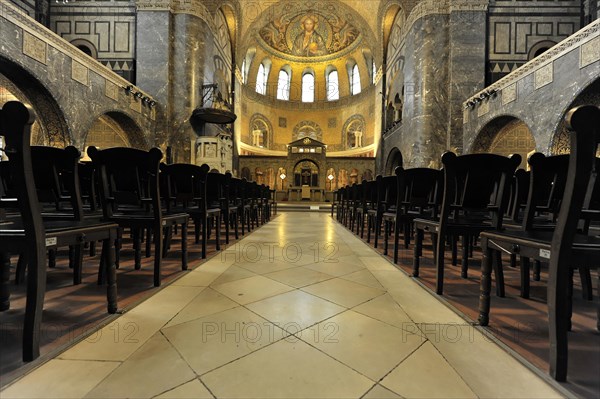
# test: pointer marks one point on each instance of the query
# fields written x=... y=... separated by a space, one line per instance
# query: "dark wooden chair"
x=217 y=192
x=474 y=200
x=250 y=205
x=185 y=186
x=27 y=233
x=388 y=205
x=565 y=248
x=368 y=201
x=130 y=197
x=374 y=214
x=418 y=196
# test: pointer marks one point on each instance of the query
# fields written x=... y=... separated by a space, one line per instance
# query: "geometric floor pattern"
x=299 y=308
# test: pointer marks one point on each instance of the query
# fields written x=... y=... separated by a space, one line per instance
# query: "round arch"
x=394 y=160
x=86 y=47
x=53 y=127
x=115 y=129
x=307 y=171
x=539 y=48
x=506 y=135
x=560 y=142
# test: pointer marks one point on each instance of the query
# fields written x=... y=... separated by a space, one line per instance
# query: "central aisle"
x=299 y=308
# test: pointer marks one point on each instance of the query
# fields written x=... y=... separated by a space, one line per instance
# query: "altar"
x=306 y=193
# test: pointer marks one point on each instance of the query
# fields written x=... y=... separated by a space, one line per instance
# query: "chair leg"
x=454 y=244
x=218 y=232
x=148 y=242
x=499 y=272
x=184 y=254
x=204 y=226
x=586 y=284
x=93 y=248
x=486 y=284
x=52 y=258
x=513 y=260
x=377 y=230
x=407 y=232
x=464 y=273
x=439 y=262
x=525 y=279
x=369 y=226
x=4 y=281
x=168 y=234
x=77 y=263
x=397 y=239
x=417 y=251
x=110 y=272
x=118 y=245
x=157 y=253
x=386 y=232
x=237 y=236
x=21 y=269
x=226 y=228
x=36 y=289
x=558 y=286
x=136 y=249
x=537 y=268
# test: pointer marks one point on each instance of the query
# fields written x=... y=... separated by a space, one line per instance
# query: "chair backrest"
x=477 y=183
x=185 y=184
x=216 y=189
x=128 y=179
x=546 y=185
x=88 y=184
x=584 y=123
x=418 y=189
x=15 y=125
x=519 y=192
x=56 y=177
x=389 y=191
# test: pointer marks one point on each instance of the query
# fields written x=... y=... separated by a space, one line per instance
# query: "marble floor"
x=298 y=308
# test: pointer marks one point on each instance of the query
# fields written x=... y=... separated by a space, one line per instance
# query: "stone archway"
x=560 y=143
x=115 y=129
x=51 y=127
x=506 y=135
x=394 y=160
x=307 y=172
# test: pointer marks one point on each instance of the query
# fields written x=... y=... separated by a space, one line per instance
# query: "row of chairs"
x=51 y=200
x=545 y=215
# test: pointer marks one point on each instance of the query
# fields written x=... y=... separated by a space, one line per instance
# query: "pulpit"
x=306 y=192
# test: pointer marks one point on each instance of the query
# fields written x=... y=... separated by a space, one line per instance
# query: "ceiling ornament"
x=309 y=34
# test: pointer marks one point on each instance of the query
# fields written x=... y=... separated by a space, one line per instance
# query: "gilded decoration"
x=308 y=129
x=309 y=33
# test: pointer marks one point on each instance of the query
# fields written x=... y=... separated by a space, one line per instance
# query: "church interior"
x=299 y=198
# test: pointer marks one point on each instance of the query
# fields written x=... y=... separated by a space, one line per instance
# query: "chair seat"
x=145 y=217
x=13 y=227
x=539 y=239
x=460 y=223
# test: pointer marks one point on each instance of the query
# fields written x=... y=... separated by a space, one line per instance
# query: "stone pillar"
x=153 y=63
x=358 y=139
x=467 y=61
x=189 y=33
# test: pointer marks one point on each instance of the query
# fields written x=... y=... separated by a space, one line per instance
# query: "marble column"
x=466 y=67
x=153 y=63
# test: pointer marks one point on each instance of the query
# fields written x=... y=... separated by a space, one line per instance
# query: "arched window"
x=283 y=85
x=333 y=86
x=261 y=79
x=308 y=87
x=354 y=80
